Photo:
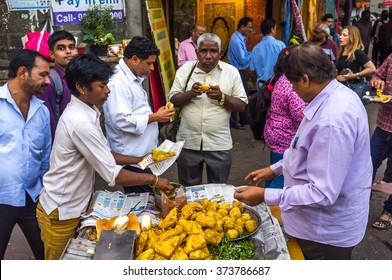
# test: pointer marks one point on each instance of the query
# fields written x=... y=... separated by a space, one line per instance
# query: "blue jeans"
x=278 y=182
x=380 y=149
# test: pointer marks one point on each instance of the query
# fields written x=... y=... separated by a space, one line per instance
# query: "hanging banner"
x=387 y=3
x=157 y=21
x=72 y=11
x=20 y=5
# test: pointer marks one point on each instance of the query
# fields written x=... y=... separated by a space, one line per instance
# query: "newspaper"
x=158 y=167
x=105 y=204
x=214 y=192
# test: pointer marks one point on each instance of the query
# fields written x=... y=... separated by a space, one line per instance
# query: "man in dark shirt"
x=365 y=28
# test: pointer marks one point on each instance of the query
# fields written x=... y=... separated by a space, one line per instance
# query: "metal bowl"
x=255 y=216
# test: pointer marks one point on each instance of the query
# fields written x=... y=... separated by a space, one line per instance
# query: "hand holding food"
x=204 y=87
x=380 y=96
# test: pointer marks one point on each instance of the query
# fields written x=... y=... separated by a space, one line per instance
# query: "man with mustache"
x=25 y=144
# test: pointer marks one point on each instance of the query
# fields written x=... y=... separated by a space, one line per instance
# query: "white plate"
x=373 y=99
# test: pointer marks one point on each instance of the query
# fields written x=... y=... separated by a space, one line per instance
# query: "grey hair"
x=209 y=37
x=324 y=27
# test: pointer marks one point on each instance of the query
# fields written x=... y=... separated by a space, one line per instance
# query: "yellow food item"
x=102 y=224
x=135 y=227
x=169 y=220
x=158 y=155
x=146 y=223
x=147 y=255
x=250 y=225
x=120 y=223
x=200 y=254
x=232 y=233
x=169 y=105
x=179 y=254
x=167 y=248
x=141 y=243
x=204 y=86
x=212 y=236
x=194 y=242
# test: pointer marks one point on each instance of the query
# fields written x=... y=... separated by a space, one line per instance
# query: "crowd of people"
x=52 y=141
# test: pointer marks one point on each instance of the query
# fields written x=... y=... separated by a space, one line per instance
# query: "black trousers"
x=318 y=251
x=141 y=188
x=26 y=218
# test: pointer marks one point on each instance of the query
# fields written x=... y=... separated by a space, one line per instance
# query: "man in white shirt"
x=205 y=114
x=131 y=125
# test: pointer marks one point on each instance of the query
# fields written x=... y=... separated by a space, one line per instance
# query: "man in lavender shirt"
x=327 y=168
x=187 y=48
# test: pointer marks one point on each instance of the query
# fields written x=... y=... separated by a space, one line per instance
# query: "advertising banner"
x=71 y=11
x=161 y=37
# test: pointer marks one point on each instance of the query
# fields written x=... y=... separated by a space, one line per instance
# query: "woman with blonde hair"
x=353 y=65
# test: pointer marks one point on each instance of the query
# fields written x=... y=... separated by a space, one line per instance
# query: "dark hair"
x=141 y=47
x=365 y=13
x=85 y=69
x=308 y=58
x=59 y=35
x=24 y=58
x=244 y=22
x=326 y=17
x=267 y=25
x=278 y=68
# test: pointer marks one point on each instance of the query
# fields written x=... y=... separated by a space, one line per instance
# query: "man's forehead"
x=209 y=45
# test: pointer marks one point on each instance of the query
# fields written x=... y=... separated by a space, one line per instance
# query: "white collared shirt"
x=126 y=115
x=203 y=120
x=79 y=149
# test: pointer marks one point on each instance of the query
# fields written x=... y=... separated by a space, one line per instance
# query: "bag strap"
x=59 y=91
x=187 y=81
x=41 y=36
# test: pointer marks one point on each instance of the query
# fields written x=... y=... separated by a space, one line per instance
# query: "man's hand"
x=214 y=93
x=195 y=90
x=259 y=176
x=251 y=196
x=378 y=84
x=163 y=115
x=164 y=186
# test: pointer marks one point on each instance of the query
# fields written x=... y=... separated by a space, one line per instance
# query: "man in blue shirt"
x=239 y=57
x=25 y=144
x=265 y=53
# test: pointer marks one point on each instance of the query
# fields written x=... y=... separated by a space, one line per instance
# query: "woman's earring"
x=82 y=92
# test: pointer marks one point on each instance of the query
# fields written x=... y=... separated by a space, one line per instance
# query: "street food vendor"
x=80 y=149
x=327 y=168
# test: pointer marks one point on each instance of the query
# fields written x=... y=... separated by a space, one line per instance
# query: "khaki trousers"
x=55 y=233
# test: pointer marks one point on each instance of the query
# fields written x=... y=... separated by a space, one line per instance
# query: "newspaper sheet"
x=158 y=167
x=214 y=192
x=105 y=204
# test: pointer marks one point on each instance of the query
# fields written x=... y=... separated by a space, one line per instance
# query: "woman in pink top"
x=283 y=118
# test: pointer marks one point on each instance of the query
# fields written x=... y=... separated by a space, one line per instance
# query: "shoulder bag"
x=169 y=131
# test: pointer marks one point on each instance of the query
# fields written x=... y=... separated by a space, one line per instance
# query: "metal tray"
x=78 y=249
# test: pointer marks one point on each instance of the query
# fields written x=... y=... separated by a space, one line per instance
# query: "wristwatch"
x=358 y=75
x=222 y=101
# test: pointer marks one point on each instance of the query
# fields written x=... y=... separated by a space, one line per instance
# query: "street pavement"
x=249 y=155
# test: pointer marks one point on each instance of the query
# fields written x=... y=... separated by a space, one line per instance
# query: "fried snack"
x=205 y=221
x=191 y=227
x=189 y=208
x=167 y=247
x=200 y=254
x=179 y=254
x=141 y=243
x=250 y=225
x=132 y=218
x=237 y=204
x=204 y=87
x=194 y=242
x=169 y=220
x=158 y=257
x=212 y=236
x=232 y=233
x=178 y=230
x=169 y=105
x=158 y=155
x=235 y=213
x=147 y=255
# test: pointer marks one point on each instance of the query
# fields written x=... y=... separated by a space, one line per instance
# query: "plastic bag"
x=38 y=40
x=176 y=199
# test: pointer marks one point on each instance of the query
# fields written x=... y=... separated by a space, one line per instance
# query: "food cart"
x=269 y=241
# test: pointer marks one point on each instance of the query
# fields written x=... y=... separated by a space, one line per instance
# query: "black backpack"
x=258 y=106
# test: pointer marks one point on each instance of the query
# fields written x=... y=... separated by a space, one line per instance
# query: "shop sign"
x=72 y=11
x=22 y=5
